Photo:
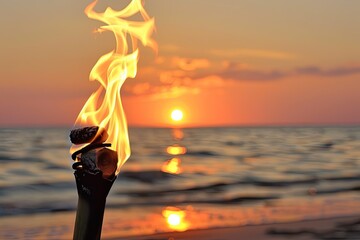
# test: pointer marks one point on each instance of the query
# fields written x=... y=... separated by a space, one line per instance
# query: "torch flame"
x=104 y=107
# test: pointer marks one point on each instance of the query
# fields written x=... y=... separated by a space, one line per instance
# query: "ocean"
x=222 y=173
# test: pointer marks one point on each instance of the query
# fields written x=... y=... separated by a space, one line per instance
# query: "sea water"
x=217 y=168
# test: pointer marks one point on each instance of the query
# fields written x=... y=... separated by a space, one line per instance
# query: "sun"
x=177 y=115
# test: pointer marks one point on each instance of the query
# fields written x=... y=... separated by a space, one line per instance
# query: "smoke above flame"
x=104 y=107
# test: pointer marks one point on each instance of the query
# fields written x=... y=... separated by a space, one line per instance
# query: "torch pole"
x=95 y=169
x=92 y=191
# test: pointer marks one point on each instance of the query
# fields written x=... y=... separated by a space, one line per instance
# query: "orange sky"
x=222 y=62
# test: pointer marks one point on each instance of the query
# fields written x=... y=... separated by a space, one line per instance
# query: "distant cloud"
x=186 y=64
x=141 y=88
x=192 y=64
x=171 y=48
x=166 y=92
x=252 y=53
x=236 y=72
x=335 y=72
x=258 y=74
x=174 y=76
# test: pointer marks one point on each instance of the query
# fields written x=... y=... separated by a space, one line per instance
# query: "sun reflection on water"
x=172 y=166
x=176 y=149
x=176 y=219
x=177 y=134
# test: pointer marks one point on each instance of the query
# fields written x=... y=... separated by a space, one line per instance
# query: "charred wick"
x=94 y=158
x=87 y=135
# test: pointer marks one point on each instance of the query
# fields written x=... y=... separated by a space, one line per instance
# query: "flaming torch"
x=101 y=146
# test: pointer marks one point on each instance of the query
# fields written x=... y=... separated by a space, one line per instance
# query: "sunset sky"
x=229 y=62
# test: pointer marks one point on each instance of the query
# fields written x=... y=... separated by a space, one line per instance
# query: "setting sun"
x=177 y=115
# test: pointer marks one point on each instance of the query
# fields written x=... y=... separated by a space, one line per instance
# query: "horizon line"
x=167 y=126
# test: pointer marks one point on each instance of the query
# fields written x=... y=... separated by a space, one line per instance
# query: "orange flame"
x=172 y=166
x=175 y=219
x=104 y=107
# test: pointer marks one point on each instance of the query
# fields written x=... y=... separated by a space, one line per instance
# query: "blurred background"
x=247 y=115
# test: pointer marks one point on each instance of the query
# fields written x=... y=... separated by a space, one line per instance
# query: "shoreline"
x=298 y=230
x=121 y=225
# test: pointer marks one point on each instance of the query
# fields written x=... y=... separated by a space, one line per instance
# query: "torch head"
x=95 y=157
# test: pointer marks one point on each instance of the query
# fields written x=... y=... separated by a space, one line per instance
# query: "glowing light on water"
x=172 y=166
x=176 y=150
x=175 y=219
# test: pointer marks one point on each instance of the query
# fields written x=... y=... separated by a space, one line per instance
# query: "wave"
x=146 y=176
x=203 y=153
x=6 y=158
x=212 y=187
x=38 y=186
x=10 y=210
x=232 y=143
x=335 y=190
x=284 y=183
x=343 y=178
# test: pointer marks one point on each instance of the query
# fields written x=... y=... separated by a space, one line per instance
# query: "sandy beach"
x=59 y=226
x=337 y=228
x=301 y=221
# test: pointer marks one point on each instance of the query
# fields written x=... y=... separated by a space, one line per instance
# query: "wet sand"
x=118 y=225
x=337 y=228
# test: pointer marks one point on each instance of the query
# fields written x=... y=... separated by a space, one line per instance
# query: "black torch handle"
x=92 y=191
